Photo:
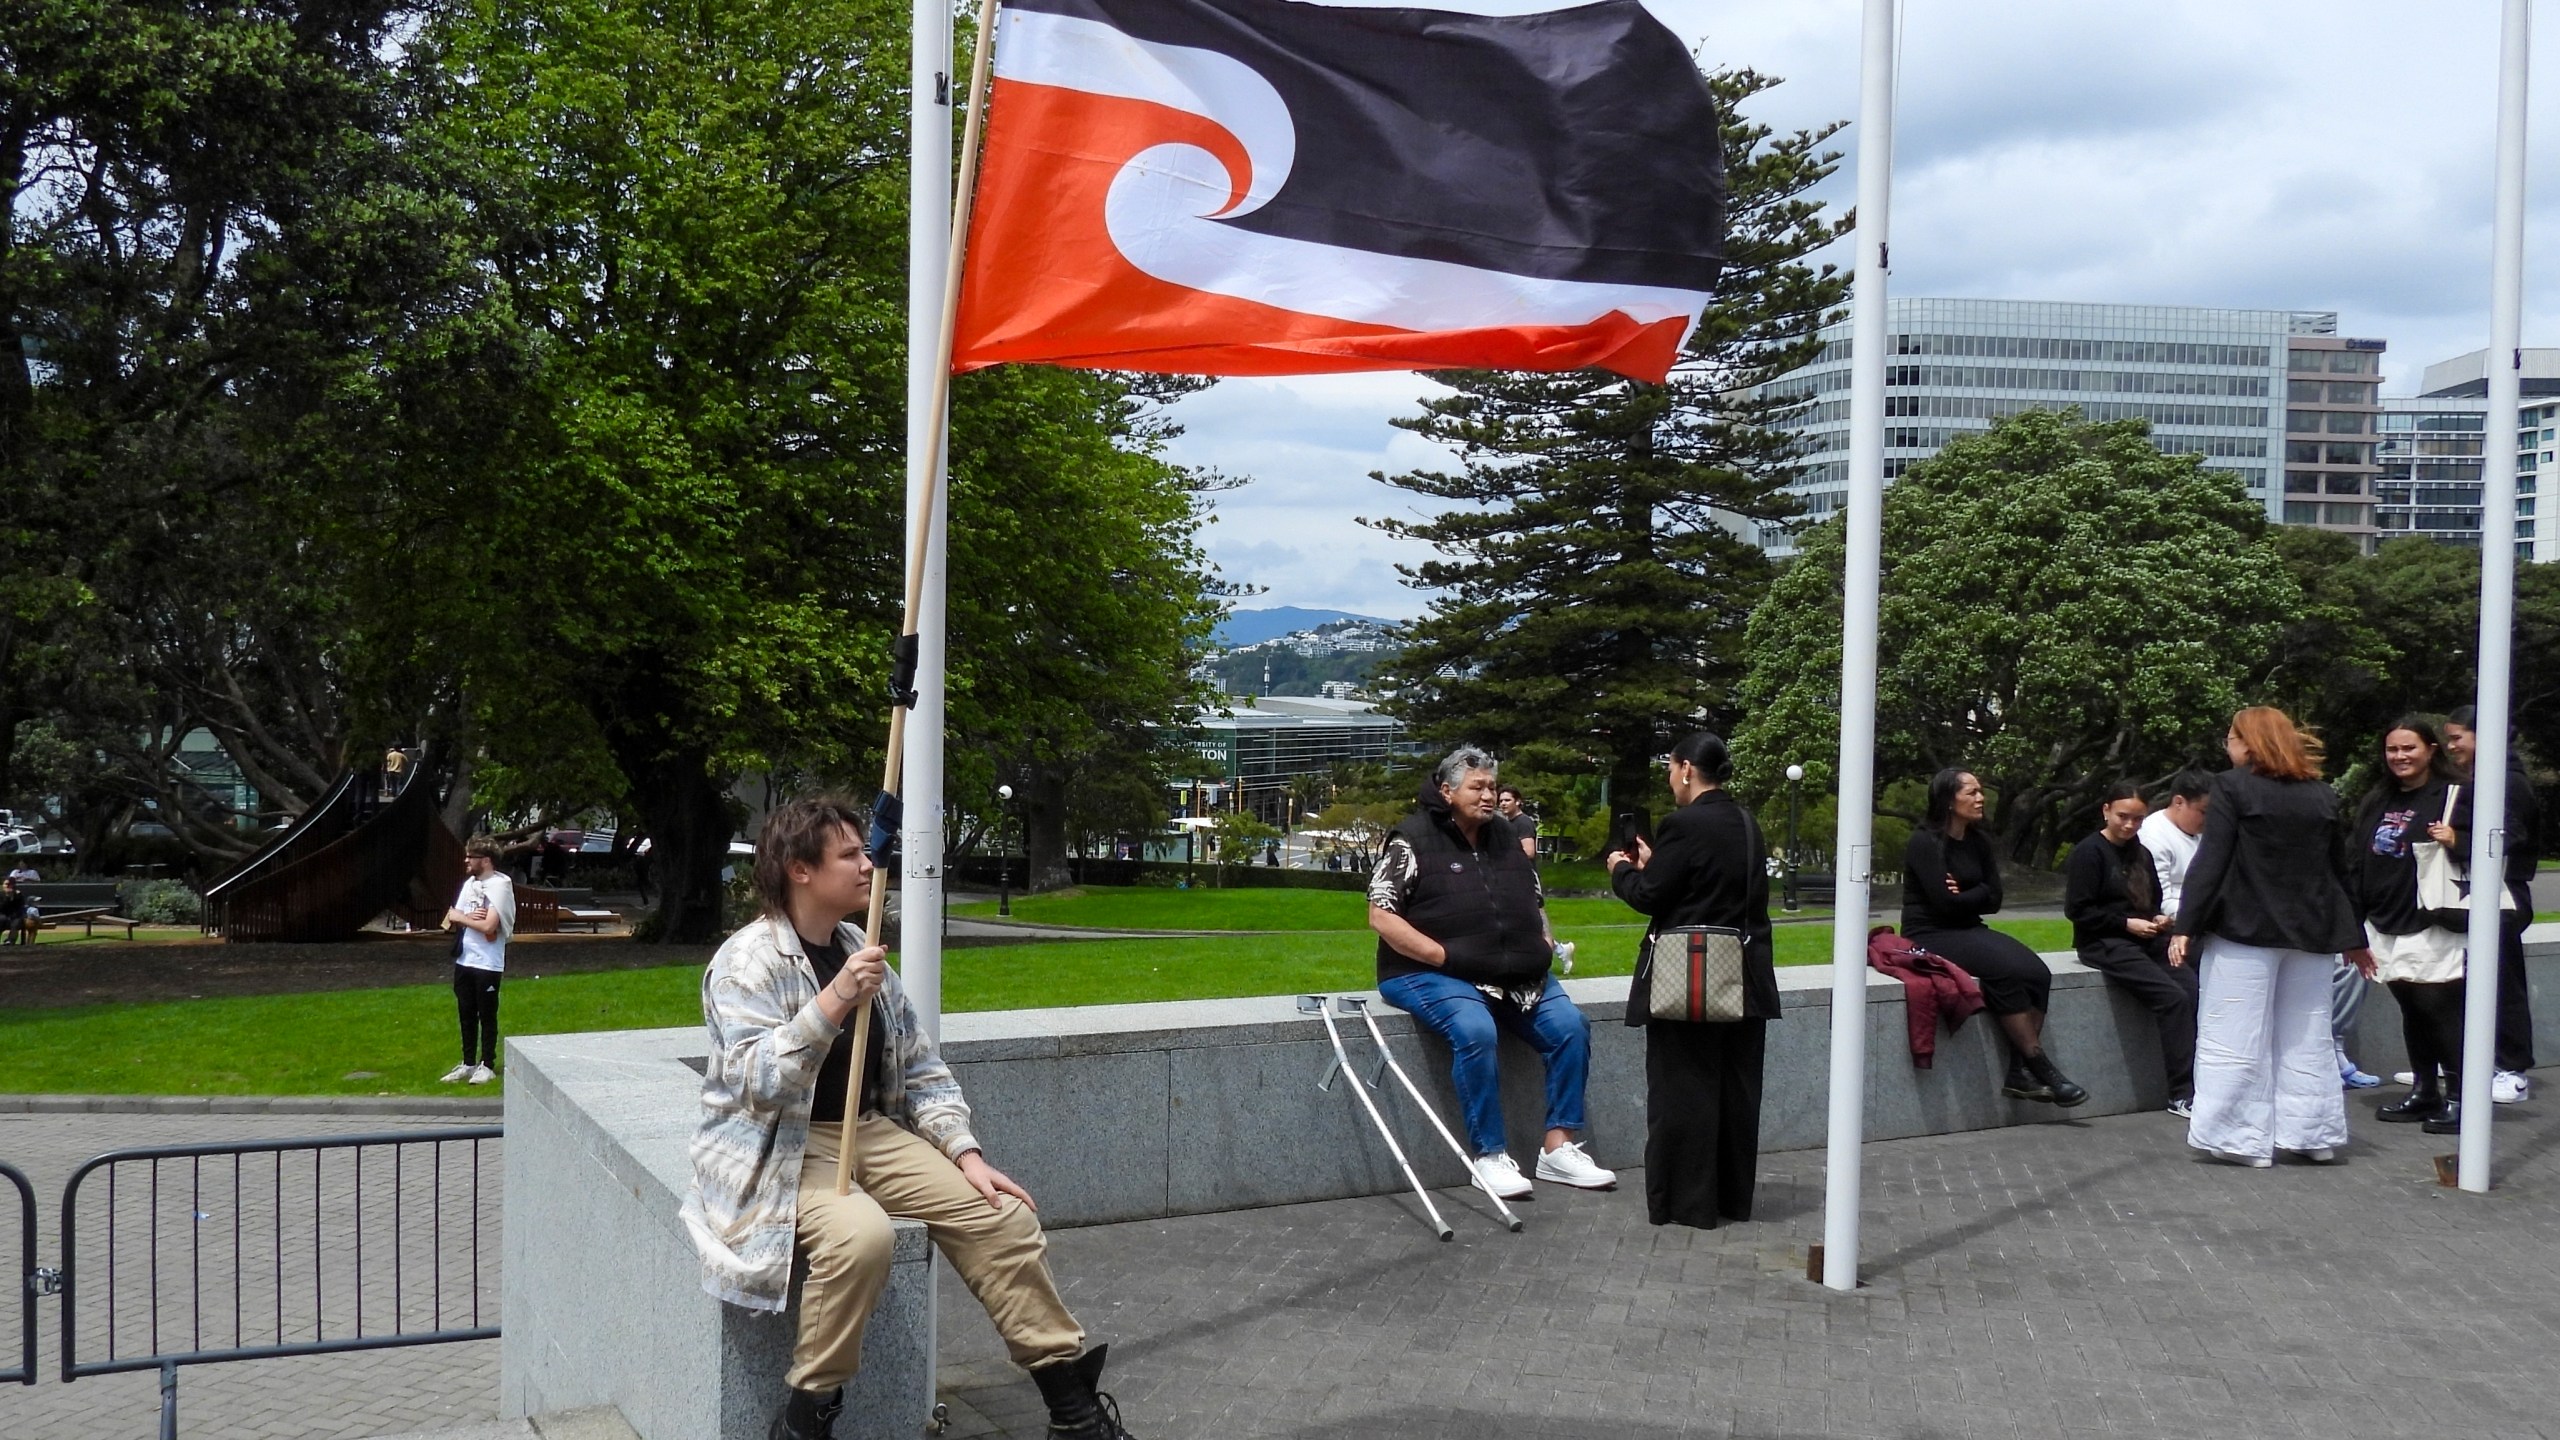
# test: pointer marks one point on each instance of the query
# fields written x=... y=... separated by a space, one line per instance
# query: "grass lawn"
x=115 y=935
x=397 y=1041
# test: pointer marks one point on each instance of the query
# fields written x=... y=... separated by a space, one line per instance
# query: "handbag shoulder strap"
x=2452 y=796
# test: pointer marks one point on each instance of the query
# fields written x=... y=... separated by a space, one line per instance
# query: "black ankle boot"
x=2066 y=1093
x=2447 y=1121
x=808 y=1415
x=1078 y=1411
x=2022 y=1086
x=2422 y=1103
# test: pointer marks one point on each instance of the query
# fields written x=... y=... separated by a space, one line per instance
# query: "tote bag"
x=1691 y=973
x=2443 y=882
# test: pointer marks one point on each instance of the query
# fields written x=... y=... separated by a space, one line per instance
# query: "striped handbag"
x=1691 y=973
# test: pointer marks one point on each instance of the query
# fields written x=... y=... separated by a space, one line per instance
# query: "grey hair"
x=1454 y=768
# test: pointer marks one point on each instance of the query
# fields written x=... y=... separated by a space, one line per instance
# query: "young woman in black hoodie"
x=2111 y=893
x=2419 y=953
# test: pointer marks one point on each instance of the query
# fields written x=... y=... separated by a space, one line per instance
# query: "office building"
x=2276 y=398
x=2431 y=454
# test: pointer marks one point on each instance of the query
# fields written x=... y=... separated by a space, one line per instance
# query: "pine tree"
x=1595 y=576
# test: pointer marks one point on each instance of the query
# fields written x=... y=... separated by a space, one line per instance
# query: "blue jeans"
x=1460 y=1014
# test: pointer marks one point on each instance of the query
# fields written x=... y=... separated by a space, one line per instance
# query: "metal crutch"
x=1359 y=1005
x=1315 y=1005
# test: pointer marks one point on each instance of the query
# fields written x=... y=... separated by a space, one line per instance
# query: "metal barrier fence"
x=310 y=1247
x=30 y=1282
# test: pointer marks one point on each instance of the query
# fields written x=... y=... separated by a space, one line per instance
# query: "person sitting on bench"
x=17 y=914
x=1463 y=947
x=779 y=999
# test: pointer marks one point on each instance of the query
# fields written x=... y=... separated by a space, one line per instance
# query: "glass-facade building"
x=2432 y=454
x=2277 y=398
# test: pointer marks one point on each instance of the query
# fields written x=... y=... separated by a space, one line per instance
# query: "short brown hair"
x=2277 y=746
x=798 y=832
x=484 y=846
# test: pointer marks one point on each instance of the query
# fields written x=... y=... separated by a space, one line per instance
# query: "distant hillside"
x=1302 y=662
x=1252 y=627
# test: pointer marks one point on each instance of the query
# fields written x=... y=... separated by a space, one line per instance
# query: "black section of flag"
x=1575 y=144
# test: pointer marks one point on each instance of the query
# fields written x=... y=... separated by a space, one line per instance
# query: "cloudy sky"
x=2279 y=154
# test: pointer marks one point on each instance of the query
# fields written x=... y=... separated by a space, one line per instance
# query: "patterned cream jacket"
x=767 y=1040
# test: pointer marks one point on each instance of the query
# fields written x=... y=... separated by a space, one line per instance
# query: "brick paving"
x=2087 y=1280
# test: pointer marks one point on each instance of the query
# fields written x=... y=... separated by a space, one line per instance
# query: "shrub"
x=163 y=902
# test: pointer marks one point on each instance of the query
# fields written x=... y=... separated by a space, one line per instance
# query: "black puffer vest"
x=1480 y=903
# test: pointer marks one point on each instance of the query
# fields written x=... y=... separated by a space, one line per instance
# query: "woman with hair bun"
x=1950 y=880
x=2268 y=895
x=1706 y=865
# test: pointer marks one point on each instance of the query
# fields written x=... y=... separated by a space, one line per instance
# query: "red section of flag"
x=1045 y=285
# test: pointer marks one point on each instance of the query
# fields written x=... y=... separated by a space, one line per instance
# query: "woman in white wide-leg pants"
x=2267 y=896
x=2265 y=1075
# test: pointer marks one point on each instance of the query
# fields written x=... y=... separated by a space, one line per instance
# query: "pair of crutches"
x=1325 y=1007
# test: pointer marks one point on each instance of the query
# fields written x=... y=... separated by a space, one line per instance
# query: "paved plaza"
x=2088 y=1279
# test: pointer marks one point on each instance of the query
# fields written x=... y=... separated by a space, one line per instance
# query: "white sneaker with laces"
x=1567 y=1165
x=458 y=1073
x=2404 y=1077
x=2509 y=1086
x=482 y=1074
x=1500 y=1175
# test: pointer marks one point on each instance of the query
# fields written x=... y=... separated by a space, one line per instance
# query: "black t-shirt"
x=828 y=960
x=2387 y=865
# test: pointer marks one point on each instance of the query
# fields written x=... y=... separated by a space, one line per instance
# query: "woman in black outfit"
x=2418 y=953
x=1950 y=880
x=1706 y=865
x=2111 y=894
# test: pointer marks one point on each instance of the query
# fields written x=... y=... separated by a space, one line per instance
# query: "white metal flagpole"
x=928 y=258
x=2497 y=603
x=1855 y=848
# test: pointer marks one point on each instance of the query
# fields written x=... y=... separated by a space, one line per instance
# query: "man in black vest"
x=1463 y=947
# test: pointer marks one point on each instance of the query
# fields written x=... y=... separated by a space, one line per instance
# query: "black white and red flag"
x=1263 y=187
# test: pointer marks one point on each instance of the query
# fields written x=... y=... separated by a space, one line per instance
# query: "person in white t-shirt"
x=485 y=914
x=2173 y=832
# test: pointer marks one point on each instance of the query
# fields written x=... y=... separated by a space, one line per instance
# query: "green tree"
x=2062 y=606
x=1592 y=592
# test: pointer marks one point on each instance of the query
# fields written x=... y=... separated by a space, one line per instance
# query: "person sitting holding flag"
x=778 y=998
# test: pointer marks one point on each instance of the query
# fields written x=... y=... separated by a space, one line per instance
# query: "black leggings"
x=2431 y=1023
x=475 y=994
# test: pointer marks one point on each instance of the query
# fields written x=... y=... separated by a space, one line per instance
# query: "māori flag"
x=1263 y=187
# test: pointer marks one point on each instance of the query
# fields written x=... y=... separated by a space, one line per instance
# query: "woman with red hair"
x=2268 y=893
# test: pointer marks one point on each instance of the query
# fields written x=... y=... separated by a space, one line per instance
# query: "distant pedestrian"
x=484 y=915
x=1515 y=808
x=24 y=873
x=2121 y=930
x=2419 y=952
x=2524 y=852
x=1704 y=866
x=1950 y=881
x=17 y=913
x=2266 y=912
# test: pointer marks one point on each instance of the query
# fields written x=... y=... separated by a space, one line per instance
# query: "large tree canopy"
x=2063 y=606
x=1593 y=586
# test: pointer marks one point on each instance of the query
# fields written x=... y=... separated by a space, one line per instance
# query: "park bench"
x=578 y=907
x=85 y=903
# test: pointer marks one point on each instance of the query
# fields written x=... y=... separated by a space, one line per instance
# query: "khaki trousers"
x=998 y=1250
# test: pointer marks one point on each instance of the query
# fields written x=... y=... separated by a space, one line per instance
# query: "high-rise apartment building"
x=2432 y=454
x=2275 y=397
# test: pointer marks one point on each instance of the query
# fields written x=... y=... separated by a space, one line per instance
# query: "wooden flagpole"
x=892 y=777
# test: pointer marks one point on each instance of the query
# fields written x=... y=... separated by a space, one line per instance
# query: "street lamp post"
x=1793 y=896
x=1004 y=852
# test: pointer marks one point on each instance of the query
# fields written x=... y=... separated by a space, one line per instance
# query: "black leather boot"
x=1078 y=1411
x=2066 y=1092
x=2423 y=1102
x=2447 y=1121
x=2022 y=1086
x=808 y=1415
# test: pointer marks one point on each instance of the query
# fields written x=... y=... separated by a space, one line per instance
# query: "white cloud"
x=2284 y=154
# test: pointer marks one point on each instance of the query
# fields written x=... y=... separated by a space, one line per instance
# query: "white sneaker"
x=2509 y=1086
x=482 y=1074
x=1567 y=1165
x=1500 y=1175
x=2251 y=1162
x=2404 y=1077
x=458 y=1073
